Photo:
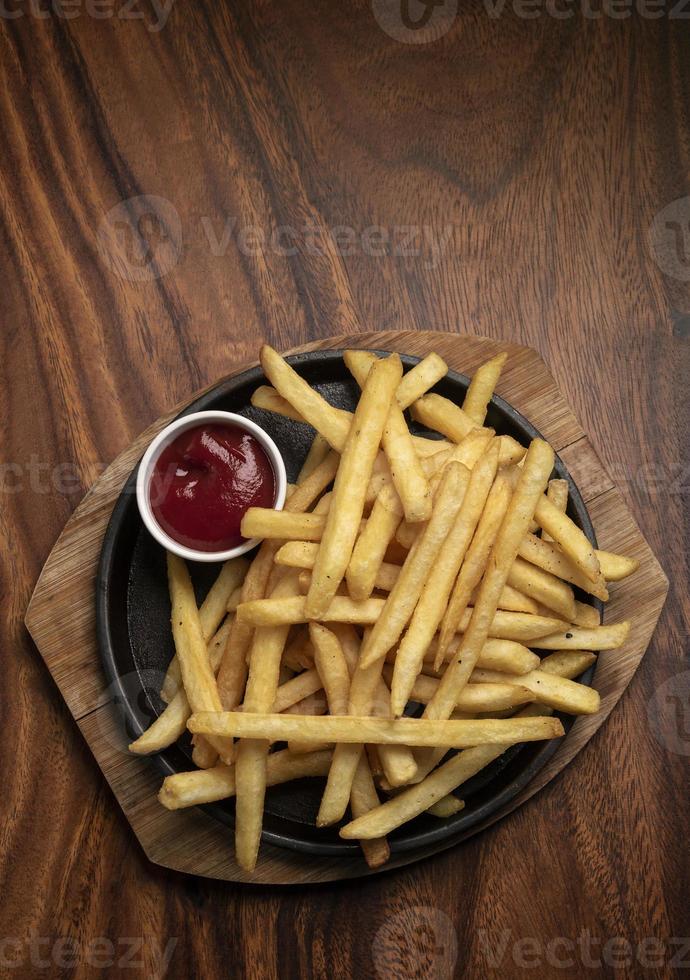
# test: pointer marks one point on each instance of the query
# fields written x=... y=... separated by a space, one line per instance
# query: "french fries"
x=435 y=572
x=357 y=460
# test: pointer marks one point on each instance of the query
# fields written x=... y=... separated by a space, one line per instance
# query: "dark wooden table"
x=175 y=191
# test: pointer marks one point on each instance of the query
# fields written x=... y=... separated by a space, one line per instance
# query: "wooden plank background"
x=305 y=173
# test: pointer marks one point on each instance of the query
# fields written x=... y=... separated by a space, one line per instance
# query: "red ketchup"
x=204 y=482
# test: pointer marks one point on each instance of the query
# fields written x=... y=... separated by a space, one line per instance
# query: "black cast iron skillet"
x=133 y=622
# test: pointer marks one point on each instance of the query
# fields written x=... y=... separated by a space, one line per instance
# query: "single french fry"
x=331 y=666
x=171 y=724
x=264 y=522
x=476 y=559
x=286 y=612
x=318 y=451
x=510 y=451
x=184 y=789
x=532 y=481
x=543 y=587
x=559 y=693
x=557 y=492
x=579 y=638
x=482 y=388
x=250 y=765
x=546 y=555
x=270 y=400
x=586 y=615
x=442 y=415
x=521 y=627
x=507 y=656
x=211 y=613
x=363 y=799
x=512 y=600
x=567 y=663
x=572 y=541
x=297 y=689
x=345 y=513
x=371 y=545
x=437 y=588
x=380 y=731
x=330 y=422
x=482 y=694
x=616 y=567
x=446 y=807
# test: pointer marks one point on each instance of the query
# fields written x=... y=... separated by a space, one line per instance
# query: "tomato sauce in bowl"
x=204 y=482
x=199 y=477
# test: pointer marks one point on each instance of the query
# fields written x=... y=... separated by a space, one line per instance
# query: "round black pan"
x=133 y=622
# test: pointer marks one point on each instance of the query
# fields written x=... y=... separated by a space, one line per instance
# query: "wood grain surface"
x=304 y=173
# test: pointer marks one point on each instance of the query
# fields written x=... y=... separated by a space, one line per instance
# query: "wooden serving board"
x=61 y=620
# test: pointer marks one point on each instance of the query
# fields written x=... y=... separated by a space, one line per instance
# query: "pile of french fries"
x=404 y=571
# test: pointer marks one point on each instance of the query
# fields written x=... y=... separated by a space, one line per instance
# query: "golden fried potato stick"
x=380 y=731
x=251 y=756
x=419 y=797
x=557 y=492
x=171 y=724
x=548 y=556
x=402 y=600
x=263 y=522
x=476 y=559
x=557 y=692
x=446 y=807
x=478 y=696
x=579 y=638
x=570 y=538
x=363 y=799
x=567 y=663
x=544 y=588
x=211 y=613
x=195 y=788
x=287 y=612
x=296 y=689
x=345 y=514
x=406 y=470
x=586 y=615
x=442 y=415
x=371 y=545
x=330 y=422
x=482 y=388
x=318 y=451
x=437 y=588
x=507 y=656
x=532 y=481
x=616 y=567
